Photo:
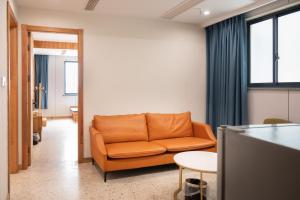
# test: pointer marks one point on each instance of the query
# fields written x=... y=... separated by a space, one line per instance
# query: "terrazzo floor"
x=55 y=174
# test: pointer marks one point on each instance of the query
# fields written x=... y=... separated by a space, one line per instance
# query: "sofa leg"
x=93 y=161
x=105 y=175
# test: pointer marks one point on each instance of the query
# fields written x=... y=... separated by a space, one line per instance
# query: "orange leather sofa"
x=142 y=140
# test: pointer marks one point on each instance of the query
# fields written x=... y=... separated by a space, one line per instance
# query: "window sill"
x=275 y=88
x=70 y=95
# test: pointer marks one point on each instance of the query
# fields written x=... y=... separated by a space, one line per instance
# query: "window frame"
x=275 y=83
x=65 y=93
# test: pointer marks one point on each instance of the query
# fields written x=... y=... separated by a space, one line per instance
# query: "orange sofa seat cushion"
x=164 y=126
x=134 y=149
x=185 y=143
x=122 y=128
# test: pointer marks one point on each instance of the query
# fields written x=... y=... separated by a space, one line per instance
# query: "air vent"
x=91 y=5
x=181 y=8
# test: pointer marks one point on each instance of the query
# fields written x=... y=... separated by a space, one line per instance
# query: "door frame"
x=12 y=60
x=12 y=93
x=26 y=30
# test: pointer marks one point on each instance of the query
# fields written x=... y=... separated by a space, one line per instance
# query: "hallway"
x=54 y=169
x=59 y=144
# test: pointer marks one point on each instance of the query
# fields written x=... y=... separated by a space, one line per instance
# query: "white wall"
x=3 y=103
x=3 y=100
x=135 y=65
x=58 y=103
x=283 y=104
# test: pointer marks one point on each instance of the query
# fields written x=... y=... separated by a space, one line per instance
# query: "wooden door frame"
x=12 y=60
x=12 y=93
x=26 y=29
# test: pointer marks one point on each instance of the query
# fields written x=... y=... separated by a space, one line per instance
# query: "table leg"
x=201 y=186
x=180 y=184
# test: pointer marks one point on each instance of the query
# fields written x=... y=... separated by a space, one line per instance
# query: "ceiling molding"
x=181 y=8
x=242 y=10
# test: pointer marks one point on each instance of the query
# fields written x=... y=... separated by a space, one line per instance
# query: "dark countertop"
x=287 y=135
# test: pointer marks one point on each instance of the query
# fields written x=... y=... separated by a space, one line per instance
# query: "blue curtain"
x=41 y=76
x=227 y=73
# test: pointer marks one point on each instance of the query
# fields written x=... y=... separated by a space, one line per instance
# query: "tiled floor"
x=55 y=174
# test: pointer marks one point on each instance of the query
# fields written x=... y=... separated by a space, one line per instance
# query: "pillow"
x=122 y=128
x=165 y=126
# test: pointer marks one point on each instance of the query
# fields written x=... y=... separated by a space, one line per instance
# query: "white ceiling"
x=152 y=9
x=54 y=37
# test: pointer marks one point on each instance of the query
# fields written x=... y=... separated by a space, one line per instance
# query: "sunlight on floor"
x=59 y=143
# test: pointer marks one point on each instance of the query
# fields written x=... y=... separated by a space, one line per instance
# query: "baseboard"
x=58 y=117
x=86 y=160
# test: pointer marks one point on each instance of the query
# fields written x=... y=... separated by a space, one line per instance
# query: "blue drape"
x=227 y=73
x=41 y=76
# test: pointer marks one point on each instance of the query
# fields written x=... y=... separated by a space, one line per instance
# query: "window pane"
x=261 y=51
x=71 y=77
x=289 y=48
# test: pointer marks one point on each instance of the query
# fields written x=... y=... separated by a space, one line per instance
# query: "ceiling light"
x=206 y=12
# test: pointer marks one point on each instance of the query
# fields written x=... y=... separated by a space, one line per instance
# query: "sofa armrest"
x=202 y=130
x=97 y=143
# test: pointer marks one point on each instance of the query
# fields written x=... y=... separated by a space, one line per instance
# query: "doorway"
x=28 y=45
x=55 y=98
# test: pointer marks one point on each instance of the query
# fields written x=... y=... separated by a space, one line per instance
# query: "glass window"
x=289 y=48
x=71 y=78
x=261 y=50
x=274 y=46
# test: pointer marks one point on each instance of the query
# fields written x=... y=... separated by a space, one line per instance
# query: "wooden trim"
x=24 y=97
x=13 y=22
x=58 y=117
x=86 y=160
x=54 y=45
x=12 y=96
x=79 y=32
x=52 y=29
x=13 y=109
x=80 y=96
x=30 y=97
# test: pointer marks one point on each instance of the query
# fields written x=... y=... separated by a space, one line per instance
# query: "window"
x=71 y=78
x=274 y=46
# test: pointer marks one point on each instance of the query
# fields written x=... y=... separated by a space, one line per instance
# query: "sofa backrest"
x=164 y=126
x=122 y=128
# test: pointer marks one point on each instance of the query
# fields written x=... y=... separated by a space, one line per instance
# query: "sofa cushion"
x=134 y=149
x=164 y=126
x=122 y=128
x=185 y=143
